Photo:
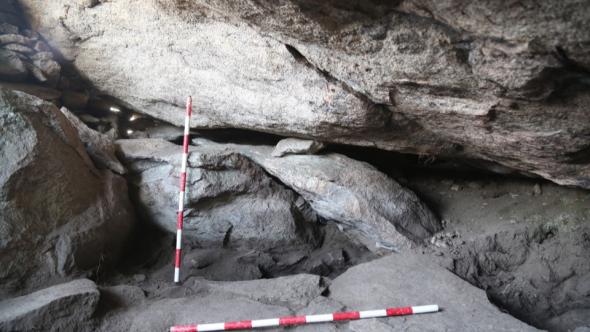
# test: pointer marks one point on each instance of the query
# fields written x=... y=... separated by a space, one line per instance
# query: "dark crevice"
x=94 y=3
x=580 y=157
x=227 y=237
x=552 y=83
x=10 y=12
x=394 y=164
x=298 y=56
x=570 y=64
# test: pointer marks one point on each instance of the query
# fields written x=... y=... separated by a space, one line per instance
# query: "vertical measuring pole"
x=180 y=213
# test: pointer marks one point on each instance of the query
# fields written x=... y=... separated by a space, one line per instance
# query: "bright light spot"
x=129 y=131
x=115 y=109
x=133 y=117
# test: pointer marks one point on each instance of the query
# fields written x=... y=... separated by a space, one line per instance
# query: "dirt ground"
x=525 y=241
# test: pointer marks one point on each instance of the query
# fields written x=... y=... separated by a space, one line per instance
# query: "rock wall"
x=60 y=215
x=501 y=83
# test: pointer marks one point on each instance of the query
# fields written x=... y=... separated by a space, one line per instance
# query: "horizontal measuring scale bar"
x=300 y=320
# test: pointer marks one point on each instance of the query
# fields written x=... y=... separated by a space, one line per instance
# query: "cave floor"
x=505 y=235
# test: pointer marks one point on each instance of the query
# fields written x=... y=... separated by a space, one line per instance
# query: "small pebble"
x=456 y=187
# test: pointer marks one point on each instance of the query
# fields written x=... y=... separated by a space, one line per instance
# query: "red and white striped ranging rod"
x=301 y=320
x=180 y=213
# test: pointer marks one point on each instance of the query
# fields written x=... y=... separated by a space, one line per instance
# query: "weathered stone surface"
x=230 y=202
x=397 y=280
x=373 y=209
x=44 y=93
x=50 y=68
x=196 y=51
x=442 y=44
x=23 y=54
x=122 y=296
x=374 y=325
x=295 y=291
x=36 y=72
x=433 y=78
x=32 y=35
x=99 y=146
x=160 y=315
x=12 y=67
x=59 y=215
x=161 y=131
x=296 y=146
x=582 y=329
x=14 y=38
x=58 y=308
x=6 y=28
x=18 y=48
x=202 y=301
x=168 y=133
x=377 y=210
x=41 y=47
x=410 y=279
x=321 y=305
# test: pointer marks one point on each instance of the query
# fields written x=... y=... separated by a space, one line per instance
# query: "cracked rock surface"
x=375 y=209
x=60 y=216
x=388 y=282
x=411 y=278
x=233 y=202
x=504 y=83
x=64 y=306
